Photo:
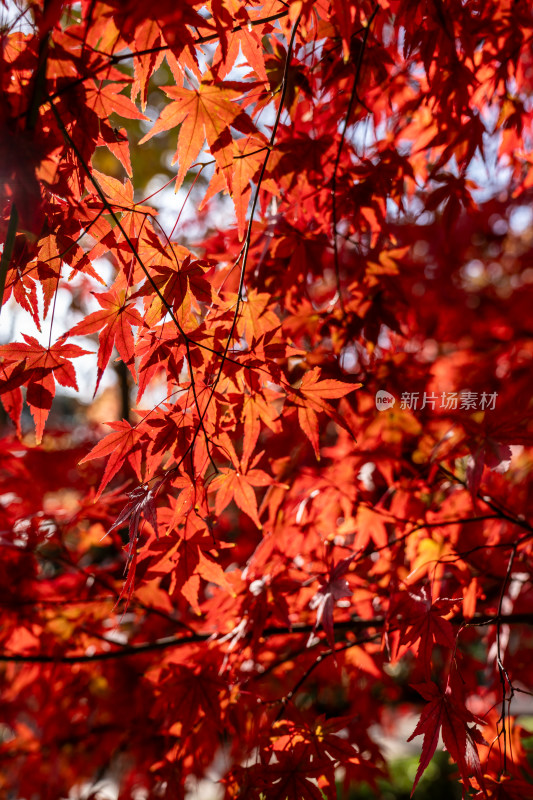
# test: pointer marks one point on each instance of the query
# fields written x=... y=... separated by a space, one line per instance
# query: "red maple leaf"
x=238 y=485
x=333 y=587
x=39 y=367
x=141 y=503
x=113 y=324
x=122 y=445
x=421 y=620
x=446 y=714
x=311 y=398
x=204 y=113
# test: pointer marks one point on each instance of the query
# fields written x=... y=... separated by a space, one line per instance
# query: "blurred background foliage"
x=439 y=782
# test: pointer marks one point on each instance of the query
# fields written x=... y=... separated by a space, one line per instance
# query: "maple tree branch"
x=167 y=306
x=504 y=676
x=107 y=207
x=425 y=524
x=353 y=96
x=98 y=578
x=246 y=247
x=66 y=250
x=126 y=650
x=167 y=642
x=420 y=526
x=117 y=59
x=139 y=260
x=496 y=506
x=243 y=256
x=212 y=37
x=321 y=657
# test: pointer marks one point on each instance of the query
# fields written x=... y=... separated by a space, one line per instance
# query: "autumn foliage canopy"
x=301 y=232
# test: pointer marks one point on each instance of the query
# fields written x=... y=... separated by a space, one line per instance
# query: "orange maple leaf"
x=205 y=113
x=311 y=397
x=124 y=444
x=39 y=368
x=234 y=485
x=114 y=324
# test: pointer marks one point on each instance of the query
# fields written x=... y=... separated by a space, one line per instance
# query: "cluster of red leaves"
x=243 y=577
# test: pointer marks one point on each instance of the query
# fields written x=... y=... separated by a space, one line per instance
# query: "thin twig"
x=243 y=256
x=353 y=97
x=168 y=642
x=139 y=260
x=117 y=59
x=504 y=676
x=496 y=506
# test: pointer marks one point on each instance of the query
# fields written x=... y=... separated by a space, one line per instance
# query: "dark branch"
x=356 y=623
